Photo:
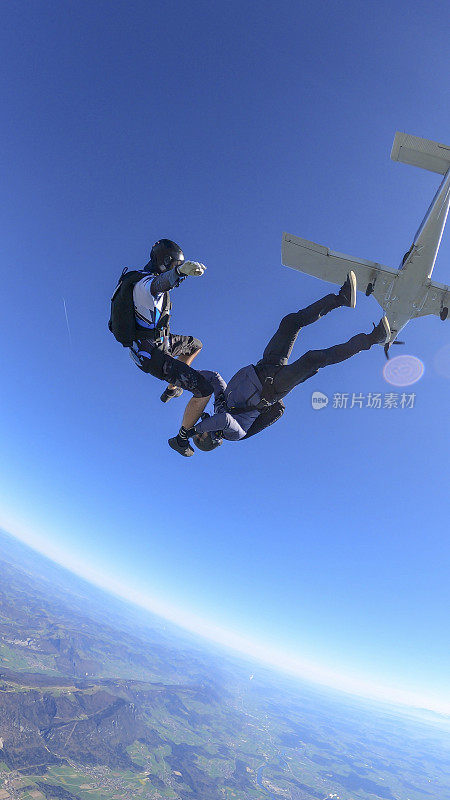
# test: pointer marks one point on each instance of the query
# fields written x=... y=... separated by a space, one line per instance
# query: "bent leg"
x=280 y=346
x=188 y=359
x=163 y=366
x=184 y=348
x=309 y=364
x=193 y=411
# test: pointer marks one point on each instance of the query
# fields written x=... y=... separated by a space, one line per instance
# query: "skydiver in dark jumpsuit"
x=249 y=393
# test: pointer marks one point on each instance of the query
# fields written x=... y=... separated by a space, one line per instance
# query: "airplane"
x=406 y=292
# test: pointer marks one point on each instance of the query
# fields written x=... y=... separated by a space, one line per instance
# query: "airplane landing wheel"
x=444 y=313
x=370 y=288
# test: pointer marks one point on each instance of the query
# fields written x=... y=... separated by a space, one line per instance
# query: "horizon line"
x=268 y=655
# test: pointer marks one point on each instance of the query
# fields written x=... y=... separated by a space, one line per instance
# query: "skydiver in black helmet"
x=252 y=399
x=140 y=315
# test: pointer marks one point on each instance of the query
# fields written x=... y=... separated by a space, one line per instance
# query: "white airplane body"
x=408 y=291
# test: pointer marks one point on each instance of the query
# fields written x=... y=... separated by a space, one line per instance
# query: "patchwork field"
x=99 y=701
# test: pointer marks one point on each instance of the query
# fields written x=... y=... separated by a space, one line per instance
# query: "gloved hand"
x=192 y=268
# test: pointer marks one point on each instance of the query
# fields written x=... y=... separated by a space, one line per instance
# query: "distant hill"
x=101 y=700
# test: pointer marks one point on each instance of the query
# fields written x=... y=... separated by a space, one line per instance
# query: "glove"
x=192 y=268
x=220 y=403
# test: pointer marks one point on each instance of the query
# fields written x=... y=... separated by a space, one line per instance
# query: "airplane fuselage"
x=412 y=285
x=406 y=292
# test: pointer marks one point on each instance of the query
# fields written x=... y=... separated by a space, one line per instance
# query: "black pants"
x=160 y=360
x=274 y=363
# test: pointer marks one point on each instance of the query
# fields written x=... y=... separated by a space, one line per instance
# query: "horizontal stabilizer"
x=321 y=262
x=435 y=300
x=420 y=152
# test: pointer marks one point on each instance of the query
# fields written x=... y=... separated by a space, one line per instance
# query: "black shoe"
x=347 y=292
x=382 y=332
x=169 y=394
x=184 y=449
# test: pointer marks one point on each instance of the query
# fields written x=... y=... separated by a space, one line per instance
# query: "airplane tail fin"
x=421 y=153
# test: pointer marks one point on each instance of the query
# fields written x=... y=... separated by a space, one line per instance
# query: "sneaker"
x=347 y=292
x=382 y=332
x=184 y=450
x=170 y=393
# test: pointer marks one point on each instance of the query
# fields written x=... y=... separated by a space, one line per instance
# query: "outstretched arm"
x=168 y=280
x=224 y=422
x=173 y=277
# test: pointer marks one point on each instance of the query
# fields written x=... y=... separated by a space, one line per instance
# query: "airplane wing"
x=323 y=263
x=436 y=298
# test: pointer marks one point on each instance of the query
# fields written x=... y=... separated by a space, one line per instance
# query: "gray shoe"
x=184 y=450
x=169 y=394
x=347 y=292
x=382 y=332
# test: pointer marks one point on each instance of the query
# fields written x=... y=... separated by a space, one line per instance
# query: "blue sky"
x=220 y=127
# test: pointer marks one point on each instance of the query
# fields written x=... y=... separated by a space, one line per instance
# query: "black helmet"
x=207 y=442
x=164 y=255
